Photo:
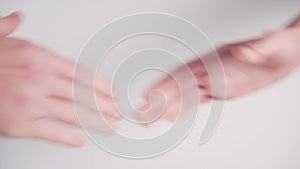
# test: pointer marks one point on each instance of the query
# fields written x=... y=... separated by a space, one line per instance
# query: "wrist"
x=295 y=27
x=297 y=36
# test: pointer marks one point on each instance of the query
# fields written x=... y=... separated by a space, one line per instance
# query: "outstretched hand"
x=36 y=92
x=248 y=66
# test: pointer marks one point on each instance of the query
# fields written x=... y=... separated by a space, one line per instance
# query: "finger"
x=90 y=80
x=190 y=96
x=50 y=131
x=86 y=77
x=176 y=107
x=108 y=107
x=197 y=66
x=177 y=81
x=105 y=105
x=260 y=50
x=65 y=68
x=149 y=114
x=174 y=84
x=168 y=86
x=61 y=88
x=95 y=121
x=65 y=112
x=8 y=24
x=188 y=99
x=173 y=112
x=204 y=84
x=62 y=110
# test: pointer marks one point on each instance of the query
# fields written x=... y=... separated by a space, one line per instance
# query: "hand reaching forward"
x=248 y=66
x=36 y=92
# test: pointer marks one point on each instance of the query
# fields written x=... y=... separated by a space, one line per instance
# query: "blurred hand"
x=248 y=66
x=36 y=92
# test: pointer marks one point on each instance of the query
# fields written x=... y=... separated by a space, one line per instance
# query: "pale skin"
x=36 y=84
x=248 y=66
x=36 y=92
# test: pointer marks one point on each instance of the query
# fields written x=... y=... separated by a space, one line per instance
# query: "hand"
x=36 y=92
x=248 y=66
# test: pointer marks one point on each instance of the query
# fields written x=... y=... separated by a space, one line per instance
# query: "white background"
x=260 y=130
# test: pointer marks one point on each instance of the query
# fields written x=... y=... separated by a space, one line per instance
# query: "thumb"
x=259 y=50
x=8 y=24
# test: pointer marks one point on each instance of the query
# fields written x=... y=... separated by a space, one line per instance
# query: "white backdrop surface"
x=260 y=130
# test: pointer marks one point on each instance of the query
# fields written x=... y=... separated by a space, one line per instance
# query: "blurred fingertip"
x=9 y=23
x=16 y=14
x=171 y=118
x=117 y=116
x=78 y=142
x=143 y=108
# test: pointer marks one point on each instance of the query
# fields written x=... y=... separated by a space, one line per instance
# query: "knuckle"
x=279 y=35
x=28 y=50
x=25 y=45
x=33 y=72
x=24 y=97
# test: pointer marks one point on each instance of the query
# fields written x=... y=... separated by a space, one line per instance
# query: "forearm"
x=294 y=27
x=295 y=23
